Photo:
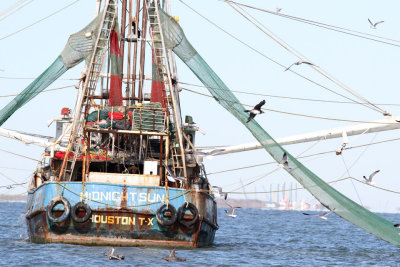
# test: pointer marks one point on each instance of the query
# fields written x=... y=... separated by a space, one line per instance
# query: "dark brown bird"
x=172 y=257
x=255 y=111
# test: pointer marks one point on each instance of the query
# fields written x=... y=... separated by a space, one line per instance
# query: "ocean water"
x=254 y=238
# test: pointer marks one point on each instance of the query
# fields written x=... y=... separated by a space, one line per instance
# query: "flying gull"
x=299 y=63
x=231 y=211
x=171 y=176
x=369 y=179
x=255 y=111
x=172 y=257
x=321 y=216
x=373 y=25
x=218 y=192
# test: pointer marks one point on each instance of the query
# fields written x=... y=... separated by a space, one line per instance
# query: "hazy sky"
x=367 y=67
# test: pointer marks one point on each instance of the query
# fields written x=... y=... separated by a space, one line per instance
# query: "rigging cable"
x=47 y=90
x=324 y=25
x=290 y=97
x=40 y=20
x=265 y=56
x=296 y=114
x=301 y=57
x=306 y=156
x=15 y=7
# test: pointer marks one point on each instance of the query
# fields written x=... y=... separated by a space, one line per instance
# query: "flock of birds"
x=111 y=256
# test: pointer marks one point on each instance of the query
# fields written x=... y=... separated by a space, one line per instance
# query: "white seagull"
x=218 y=192
x=231 y=211
x=171 y=176
x=369 y=179
x=255 y=111
x=321 y=216
x=172 y=257
x=299 y=63
x=373 y=25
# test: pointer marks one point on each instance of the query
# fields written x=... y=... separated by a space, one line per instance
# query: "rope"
x=306 y=156
x=16 y=8
x=36 y=22
x=290 y=97
x=324 y=25
x=265 y=56
x=296 y=114
x=11 y=185
x=19 y=155
x=13 y=196
x=48 y=90
x=301 y=57
x=331 y=182
x=26 y=78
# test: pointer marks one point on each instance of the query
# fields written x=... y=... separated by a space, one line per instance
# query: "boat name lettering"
x=132 y=196
x=124 y=220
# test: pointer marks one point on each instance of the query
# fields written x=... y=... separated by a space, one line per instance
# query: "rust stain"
x=124 y=197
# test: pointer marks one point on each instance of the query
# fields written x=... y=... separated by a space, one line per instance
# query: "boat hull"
x=121 y=216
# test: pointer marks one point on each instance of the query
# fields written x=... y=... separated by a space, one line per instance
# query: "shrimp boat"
x=121 y=171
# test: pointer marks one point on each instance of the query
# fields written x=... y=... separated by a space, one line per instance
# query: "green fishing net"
x=175 y=39
x=78 y=48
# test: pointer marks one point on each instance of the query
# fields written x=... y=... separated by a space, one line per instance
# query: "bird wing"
x=172 y=254
x=327 y=213
x=365 y=178
x=259 y=105
x=168 y=169
x=183 y=179
x=379 y=22
x=251 y=117
x=289 y=67
x=373 y=174
x=370 y=22
x=309 y=63
x=171 y=179
x=307 y=213
x=284 y=158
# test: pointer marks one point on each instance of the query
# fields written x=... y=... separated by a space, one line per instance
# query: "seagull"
x=369 y=179
x=170 y=175
x=172 y=257
x=345 y=142
x=299 y=63
x=373 y=25
x=219 y=193
x=231 y=211
x=278 y=9
x=255 y=111
x=397 y=225
x=321 y=216
x=111 y=256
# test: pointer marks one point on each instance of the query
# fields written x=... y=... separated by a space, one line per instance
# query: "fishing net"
x=78 y=48
x=175 y=39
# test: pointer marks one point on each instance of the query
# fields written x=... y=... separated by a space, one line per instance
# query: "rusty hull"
x=120 y=226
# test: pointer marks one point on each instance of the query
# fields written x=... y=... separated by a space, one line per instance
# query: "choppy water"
x=255 y=237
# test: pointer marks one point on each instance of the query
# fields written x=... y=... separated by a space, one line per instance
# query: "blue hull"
x=121 y=215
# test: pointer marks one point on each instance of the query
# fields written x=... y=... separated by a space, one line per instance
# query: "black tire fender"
x=76 y=208
x=161 y=219
x=52 y=204
x=181 y=213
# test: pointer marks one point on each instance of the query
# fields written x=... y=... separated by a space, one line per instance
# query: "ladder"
x=161 y=60
x=84 y=104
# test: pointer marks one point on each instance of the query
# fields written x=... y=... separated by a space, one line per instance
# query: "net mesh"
x=175 y=39
x=78 y=48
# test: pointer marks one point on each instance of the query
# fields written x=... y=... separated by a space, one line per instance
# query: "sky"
x=367 y=67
